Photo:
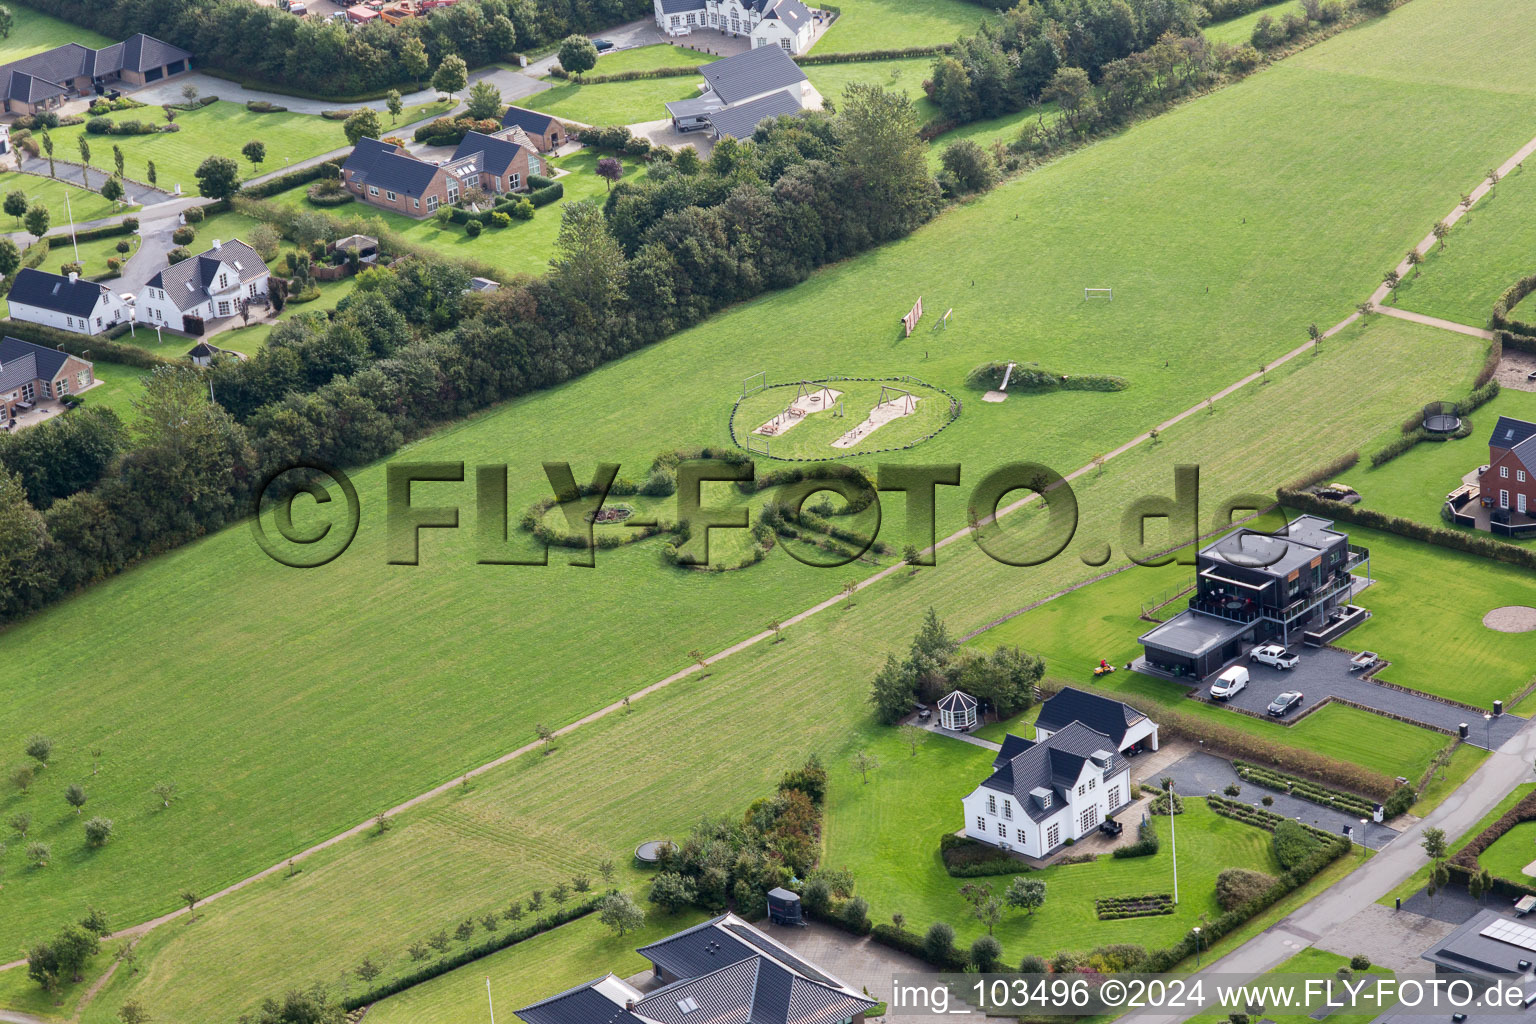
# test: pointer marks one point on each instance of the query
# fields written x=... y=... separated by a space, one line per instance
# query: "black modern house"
x=1255 y=587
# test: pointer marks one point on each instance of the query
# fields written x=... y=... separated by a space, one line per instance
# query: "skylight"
x=687 y=1004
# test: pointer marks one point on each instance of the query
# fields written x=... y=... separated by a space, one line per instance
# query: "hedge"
x=263 y=107
x=1327 y=471
x=912 y=944
x=284 y=182
x=1295 y=785
x=868 y=55
x=1508 y=301
x=126 y=226
x=1034 y=377
x=1146 y=843
x=469 y=954
x=101 y=346
x=1464 y=862
x=544 y=191
x=1117 y=908
x=965 y=857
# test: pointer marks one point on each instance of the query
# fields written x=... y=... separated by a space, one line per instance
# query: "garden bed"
x=1116 y=908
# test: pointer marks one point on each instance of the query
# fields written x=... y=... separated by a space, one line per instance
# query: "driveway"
x=513 y=85
x=1202 y=774
x=1393 y=939
x=1324 y=672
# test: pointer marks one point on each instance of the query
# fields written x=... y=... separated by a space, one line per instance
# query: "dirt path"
x=1434 y=321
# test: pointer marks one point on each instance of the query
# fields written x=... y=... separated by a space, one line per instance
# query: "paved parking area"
x=1202 y=774
x=1324 y=672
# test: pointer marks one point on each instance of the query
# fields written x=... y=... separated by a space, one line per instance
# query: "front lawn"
x=893 y=24
x=523 y=247
x=50 y=192
x=887 y=833
x=1511 y=854
x=647 y=58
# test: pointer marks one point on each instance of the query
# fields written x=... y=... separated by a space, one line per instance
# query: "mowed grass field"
x=812 y=436
x=1488 y=250
x=1511 y=854
x=893 y=24
x=408 y=703
x=33 y=32
x=1239 y=30
x=50 y=193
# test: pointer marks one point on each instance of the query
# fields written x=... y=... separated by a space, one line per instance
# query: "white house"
x=1043 y=793
x=67 y=303
x=209 y=286
x=787 y=24
x=1129 y=729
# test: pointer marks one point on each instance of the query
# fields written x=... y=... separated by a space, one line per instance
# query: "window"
x=223 y=281
x=1520 y=476
x=1002 y=830
x=1091 y=783
x=63 y=386
x=69 y=321
x=83 y=379
x=415 y=204
x=373 y=190
x=735 y=23
x=1008 y=809
x=991 y=804
x=26 y=392
x=1053 y=837
x=224 y=307
x=514 y=182
x=1114 y=796
x=453 y=193
x=390 y=195
x=98 y=321
x=1082 y=790
x=431 y=203
x=158 y=316
x=1520 y=501
x=1504 y=472
x=473 y=179
x=1087 y=820
x=251 y=289
x=1503 y=499
x=981 y=823
x=787 y=47
x=1021 y=836
x=496 y=178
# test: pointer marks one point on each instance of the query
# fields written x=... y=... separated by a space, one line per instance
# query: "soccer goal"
x=757 y=445
x=756 y=382
x=1098 y=293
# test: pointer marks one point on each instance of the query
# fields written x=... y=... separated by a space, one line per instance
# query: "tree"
x=1073 y=91
x=1315 y=333
x=588 y=265
x=915 y=735
x=165 y=791
x=190 y=898
x=969 y=167
x=6 y=21
x=440 y=941
x=48 y=148
x=97 y=831
x=74 y=795
x=886 y=161
x=312 y=1007
x=38 y=854
x=577 y=55
x=367 y=970
x=16 y=204
x=687 y=162
x=39 y=749
x=363 y=124
x=413 y=58
x=23 y=777
x=1027 y=894
x=987 y=907
x=37 y=220
x=938 y=943
x=1434 y=844
x=189 y=93
x=484 y=101
x=1440 y=230
x=892 y=691
x=218 y=177
x=1414 y=259
x=133 y=1013
x=561 y=893
x=149 y=172
x=255 y=152
x=546 y=736
x=865 y=762
x=21 y=822
x=118 y=160
x=986 y=953
x=619 y=911
x=451 y=75
x=606 y=870
x=85 y=159
x=95 y=920
x=777 y=628
x=394 y=104
x=1392 y=279
x=610 y=169
x=112 y=190
x=672 y=891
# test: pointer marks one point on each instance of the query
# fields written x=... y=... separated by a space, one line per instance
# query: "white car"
x=1273 y=655
x=1230 y=683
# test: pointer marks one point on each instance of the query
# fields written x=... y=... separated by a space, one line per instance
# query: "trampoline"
x=650 y=853
x=1441 y=418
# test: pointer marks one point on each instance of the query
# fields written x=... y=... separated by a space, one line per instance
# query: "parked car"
x=1285 y=703
x=1230 y=683
x=1274 y=656
x=1111 y=827
x=602 y=44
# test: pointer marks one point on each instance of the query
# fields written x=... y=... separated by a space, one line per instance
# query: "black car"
x=1285 y=703
x=1111 y=827
x=602 y=44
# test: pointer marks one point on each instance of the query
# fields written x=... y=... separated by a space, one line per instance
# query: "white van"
x=1230 y=683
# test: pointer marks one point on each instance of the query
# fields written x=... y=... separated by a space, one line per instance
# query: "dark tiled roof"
x=1513 y=434
x=1110 y=717
x=697 y=950
x=1013 y=746
x=22 y=362
x=1052 y=764
x=142 y=52
x=55 y=292
x=771 y=988
x=527 y=120
x=63 y=63
x=580 y=1005
x=25 y=88
x=383 y=166
x=188 y=282
x=681 y=6
x=493 y=155
x=957 y=700
x=791 y=12
x=756 y=71
x=740 y=122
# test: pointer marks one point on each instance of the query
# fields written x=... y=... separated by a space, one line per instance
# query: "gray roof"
x=56 y=292
x=141 y=52
x=1102 y=714
x=1519 y=436
x=384 y=166
x=681 y=6
x=1487 y=944
x=1192 y=634
x=528 y=120
x=739 y=122
x=1278 y=554
x=583 y=1004
x=1054 y=764
x=759 y=70
x=490 y=153
x=22 y=362
x=43 y=74
x=695 y=106
x=26 y=88
x=791 y=12
x=188 y=282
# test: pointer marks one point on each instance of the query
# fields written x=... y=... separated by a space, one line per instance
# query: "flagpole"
x=73 y=241
x=489 y=1001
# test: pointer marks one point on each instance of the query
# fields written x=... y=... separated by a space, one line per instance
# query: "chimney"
x=73 y=277
x=215 y=243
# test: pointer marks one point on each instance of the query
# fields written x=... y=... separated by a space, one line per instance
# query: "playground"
x=833 y=418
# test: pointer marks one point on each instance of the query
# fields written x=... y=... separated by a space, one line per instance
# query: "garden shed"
x=957 y=711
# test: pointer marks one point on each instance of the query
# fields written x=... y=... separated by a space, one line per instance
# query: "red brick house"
x=1509 y=482
x=389 y=176
x=545 y=132
x=30 y=374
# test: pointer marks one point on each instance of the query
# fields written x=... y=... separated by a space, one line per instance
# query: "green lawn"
x=813 y=436
x=1465 y=760
x=1512 y=853
x=524 y=247
x=1091 y=217
x=32 y=31
x=1003 y=129
x=1488 y=250
x=531 y=970
x=903 y=76
x=647 y=58
x=1421 y=876
x=1239 y=30
x=118 y=388
x=51 y=193
x=1315 y=963
x=893 y=24
x=911 y=801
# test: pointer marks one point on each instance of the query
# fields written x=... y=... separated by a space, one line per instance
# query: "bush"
x=178 y=254
x=939 y=943
x=184 y=235
x=986 y=954
x=1359 y=962
x=473 y=228
x=97 y=831
x=1033 y=377
x=328 y=192
x=1293 y=844
x=500 y=220
x=854 y=913
x=263 y=107
x=1238 y=886
x=522 y=209
x=1146 y=843
x=98 y=126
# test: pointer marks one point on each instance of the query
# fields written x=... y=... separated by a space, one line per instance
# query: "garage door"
x=154 y=74
x=176 y=67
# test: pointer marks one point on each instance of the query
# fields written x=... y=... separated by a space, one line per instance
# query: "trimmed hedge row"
x=542 y=191
x=126 y=226
x=1508 y=301
x=913 y=945
x=469 y=954
x=1146 y=843
x=102 y=347
x=867 y=55
x=1327 y=471
x=1304 y=788
x=293 y=179
x=1465 y=862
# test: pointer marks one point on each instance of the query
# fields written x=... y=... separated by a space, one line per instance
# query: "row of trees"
x=935 y=664
x=323 y=56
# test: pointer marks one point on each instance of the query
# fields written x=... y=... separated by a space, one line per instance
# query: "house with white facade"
x=1129 y=729
x=67 y=303
x=1043 y=793
x=786 y=24
x=210 y=286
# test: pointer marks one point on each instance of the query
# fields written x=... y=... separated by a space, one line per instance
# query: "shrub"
x=114 y=264
x=986 y=954
x=521 y=210
x=71 y=268
x=328 y=192
x=184 y=235
x=939 y=943
x=98 y=126
x=500 y=220
x=1146 y=843
x=854 y=913
x=473 y=228
x=178 y=254
x=1359 y=962
x=1292 y=843
x=1238 y=886
x=97 y=831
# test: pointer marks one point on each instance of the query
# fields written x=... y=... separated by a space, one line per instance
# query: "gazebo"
x=957 y=711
